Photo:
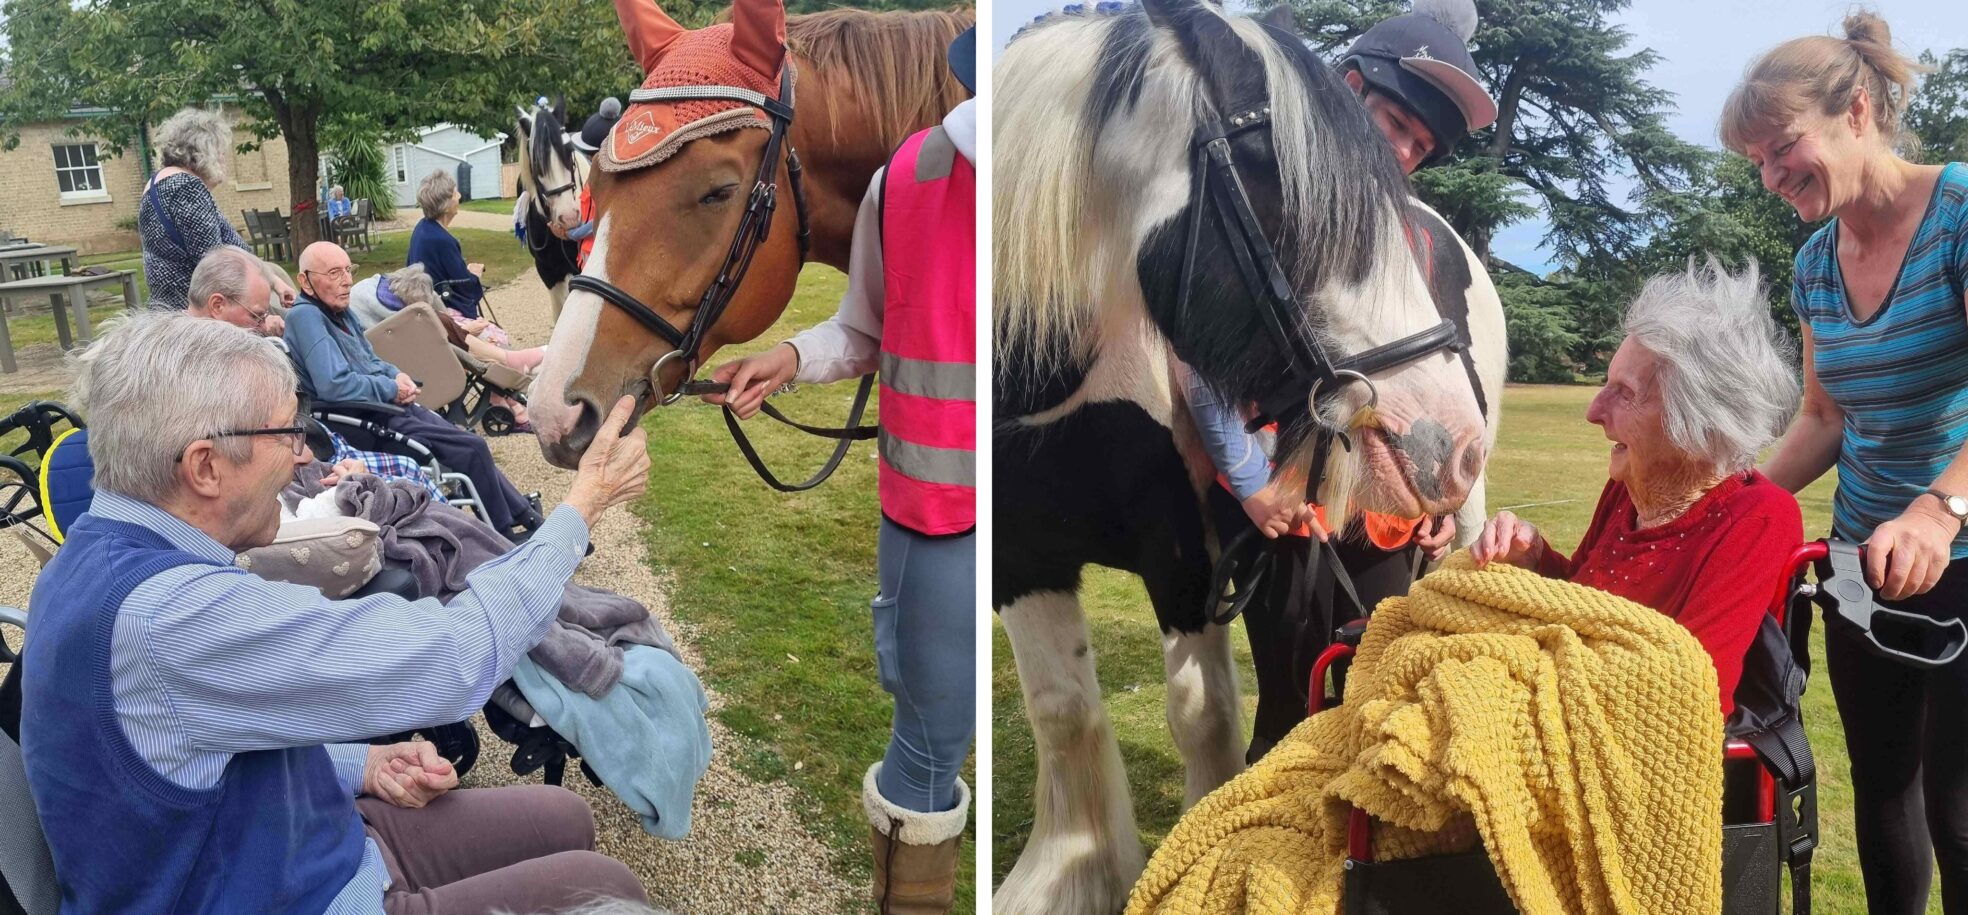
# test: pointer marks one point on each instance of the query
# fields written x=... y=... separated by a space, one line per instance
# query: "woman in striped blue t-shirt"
x=1878 y=295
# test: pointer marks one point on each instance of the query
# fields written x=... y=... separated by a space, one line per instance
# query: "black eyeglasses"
x=296 y=437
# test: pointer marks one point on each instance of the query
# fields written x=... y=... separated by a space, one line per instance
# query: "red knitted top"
x=1713 y=569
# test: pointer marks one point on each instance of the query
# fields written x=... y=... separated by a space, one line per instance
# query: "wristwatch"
x=1955 y=505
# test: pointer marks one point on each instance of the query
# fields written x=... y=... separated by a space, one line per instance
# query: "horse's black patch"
x=1020 y=387
x=1104 y=485
x=556 y=259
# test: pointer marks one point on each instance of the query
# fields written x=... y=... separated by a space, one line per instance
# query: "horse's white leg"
x=1203 y=708
x=1084 y=852
x=556 y=297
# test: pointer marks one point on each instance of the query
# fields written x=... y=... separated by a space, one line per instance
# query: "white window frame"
x=93 y=174
x=402 y=164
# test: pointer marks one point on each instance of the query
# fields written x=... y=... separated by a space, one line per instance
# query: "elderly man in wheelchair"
x=180 y=711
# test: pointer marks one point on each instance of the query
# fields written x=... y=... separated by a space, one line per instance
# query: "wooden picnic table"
x=31 y=260
x=69 y=294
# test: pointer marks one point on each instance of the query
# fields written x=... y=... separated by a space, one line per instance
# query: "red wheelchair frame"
x=1359 y=825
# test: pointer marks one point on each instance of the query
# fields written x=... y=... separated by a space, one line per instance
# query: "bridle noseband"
x=753 y=228
x=1313 y=379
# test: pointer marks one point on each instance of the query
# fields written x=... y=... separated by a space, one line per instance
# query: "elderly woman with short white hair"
x=1703 y=382
x=433 y=245
x=178 y=219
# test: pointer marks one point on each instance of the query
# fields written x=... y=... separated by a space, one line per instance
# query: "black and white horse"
x=552 y=173
x=1150 y=161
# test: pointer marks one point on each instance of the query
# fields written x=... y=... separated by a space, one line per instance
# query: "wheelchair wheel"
x=497 y=421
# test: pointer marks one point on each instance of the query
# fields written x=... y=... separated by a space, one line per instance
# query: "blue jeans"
x=926 y=644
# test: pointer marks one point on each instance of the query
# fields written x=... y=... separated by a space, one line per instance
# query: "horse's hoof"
x=1066 y=881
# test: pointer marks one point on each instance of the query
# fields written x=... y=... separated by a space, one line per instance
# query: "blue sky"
x=1704 y=46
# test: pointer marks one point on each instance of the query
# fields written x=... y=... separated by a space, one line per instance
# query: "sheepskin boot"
x=915 y=853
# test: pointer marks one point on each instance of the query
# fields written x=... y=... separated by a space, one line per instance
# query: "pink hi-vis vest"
x=929 y=337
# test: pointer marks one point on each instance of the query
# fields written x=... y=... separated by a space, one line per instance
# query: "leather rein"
x=1313 y=379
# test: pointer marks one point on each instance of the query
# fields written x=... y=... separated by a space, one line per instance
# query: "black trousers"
x=1906 y=731
x=1291 y=618
x=466 y=453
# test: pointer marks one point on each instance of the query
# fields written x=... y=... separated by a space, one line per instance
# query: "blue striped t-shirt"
x=1901 y=376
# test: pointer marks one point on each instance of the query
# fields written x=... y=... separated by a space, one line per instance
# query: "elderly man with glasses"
x=184 y=715
x=337 y=364
x=224 y=287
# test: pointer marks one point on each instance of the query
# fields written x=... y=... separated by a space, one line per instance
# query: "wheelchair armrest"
x=354 y=406
x=399 y=582
x=472 y=364
x=15 y=617
x=1350 y=632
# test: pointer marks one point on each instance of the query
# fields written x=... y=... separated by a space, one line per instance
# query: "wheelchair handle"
x=1844 y=594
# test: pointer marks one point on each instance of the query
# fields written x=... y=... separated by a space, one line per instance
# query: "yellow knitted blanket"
x=1577 y=734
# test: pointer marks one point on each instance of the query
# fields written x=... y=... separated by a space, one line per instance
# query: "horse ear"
x=525 y=122
x=560 y=109
x=1210 y=45
x=1280 y=17
x=758 y=35
x=650 y=30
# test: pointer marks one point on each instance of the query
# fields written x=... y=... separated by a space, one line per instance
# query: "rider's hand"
x=286 y=294
x=475 y=269
x=1275 y=511
x=1436 y=536
x=1508 y=539
x=615 y=467
x=753 y=377
x=1906 y=556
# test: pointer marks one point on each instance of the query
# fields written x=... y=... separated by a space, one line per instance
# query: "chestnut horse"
x=863 y=82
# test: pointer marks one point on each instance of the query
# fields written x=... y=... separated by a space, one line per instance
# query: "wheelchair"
x=457 y=385
x=28 y=503
x=1770 y=783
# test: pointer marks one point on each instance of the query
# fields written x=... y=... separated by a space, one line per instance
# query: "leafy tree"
x=1574 y=116
x=356 y=162
x=1538 y=320
x=1729 y=215
x=1938 y=113
x=294 y=64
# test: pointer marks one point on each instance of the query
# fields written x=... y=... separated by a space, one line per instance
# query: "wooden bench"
x=32 y=260
x=70 y=296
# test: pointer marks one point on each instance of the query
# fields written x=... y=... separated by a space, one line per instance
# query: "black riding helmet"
x=1422 y=60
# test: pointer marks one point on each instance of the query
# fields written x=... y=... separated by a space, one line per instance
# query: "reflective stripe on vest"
x=928 y=441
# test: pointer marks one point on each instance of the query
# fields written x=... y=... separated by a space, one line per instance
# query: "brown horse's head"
x=670 y=186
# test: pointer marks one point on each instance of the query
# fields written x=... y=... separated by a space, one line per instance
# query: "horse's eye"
x=719 y=196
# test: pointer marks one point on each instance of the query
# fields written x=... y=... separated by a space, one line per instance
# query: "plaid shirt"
x=385 y=465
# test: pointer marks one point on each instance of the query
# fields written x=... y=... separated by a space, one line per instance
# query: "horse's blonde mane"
x=901 y=80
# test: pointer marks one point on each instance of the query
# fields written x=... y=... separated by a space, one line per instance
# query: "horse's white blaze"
x=567 y=352
x=1203 y=708
x=1084 y=853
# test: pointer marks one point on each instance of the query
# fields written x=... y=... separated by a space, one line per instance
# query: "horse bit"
x=1314 y=379
x=753 y=228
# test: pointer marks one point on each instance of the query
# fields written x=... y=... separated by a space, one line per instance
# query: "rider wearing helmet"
x=1417 y=80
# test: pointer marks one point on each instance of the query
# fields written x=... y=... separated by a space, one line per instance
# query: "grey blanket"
x=440 y=545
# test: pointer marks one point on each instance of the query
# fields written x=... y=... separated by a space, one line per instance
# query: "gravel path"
x=747 y=851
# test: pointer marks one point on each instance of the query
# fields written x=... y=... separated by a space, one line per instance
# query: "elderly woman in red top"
x=1703 y=381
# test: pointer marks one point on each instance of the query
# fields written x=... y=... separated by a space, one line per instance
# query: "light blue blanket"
x=646 y=738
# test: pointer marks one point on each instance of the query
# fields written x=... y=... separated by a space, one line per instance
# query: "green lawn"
x=1548 y=468
x=503 y=207
x=502 y=254
x=778 y=587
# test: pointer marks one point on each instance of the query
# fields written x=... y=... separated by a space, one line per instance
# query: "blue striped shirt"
x=1901 y=376
x=208 y=662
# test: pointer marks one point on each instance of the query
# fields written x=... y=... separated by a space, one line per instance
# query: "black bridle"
x=1313 y=379
x=754 y=226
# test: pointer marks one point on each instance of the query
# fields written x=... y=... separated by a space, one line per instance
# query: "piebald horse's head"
x=670 y=187
x=551 y=170
x=1116 y=135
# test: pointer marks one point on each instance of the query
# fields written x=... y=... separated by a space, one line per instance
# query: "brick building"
x=61 y=186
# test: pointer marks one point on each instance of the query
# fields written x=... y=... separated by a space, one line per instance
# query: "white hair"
x=434 y=194
x=195 y=139
x=1728 y=373
x=224 y=270
x=413 y=284
x=156 y=381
